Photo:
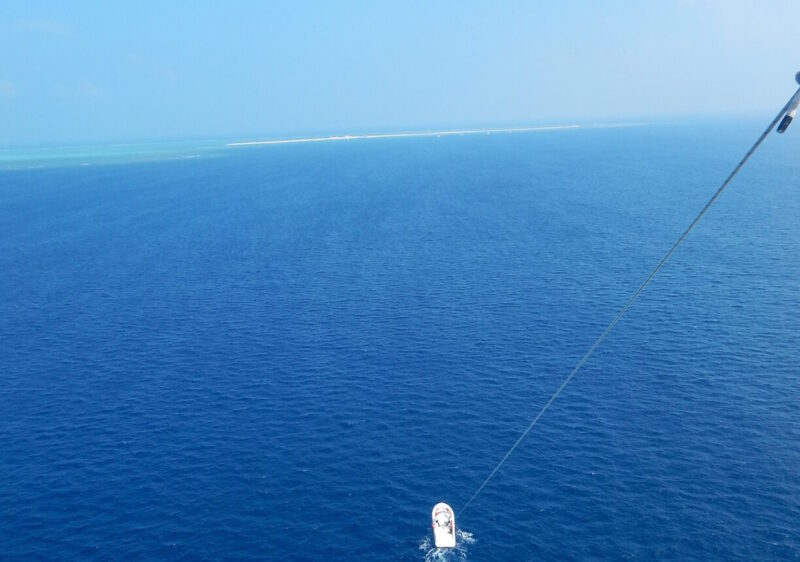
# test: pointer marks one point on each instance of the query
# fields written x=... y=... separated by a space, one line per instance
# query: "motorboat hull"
x=443 y=521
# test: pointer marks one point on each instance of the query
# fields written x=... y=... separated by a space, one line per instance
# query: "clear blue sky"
x=82 y=71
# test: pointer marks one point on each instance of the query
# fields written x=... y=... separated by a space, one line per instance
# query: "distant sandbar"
x=404 y=135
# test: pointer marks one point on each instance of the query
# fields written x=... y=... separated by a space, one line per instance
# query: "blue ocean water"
x=292 y=352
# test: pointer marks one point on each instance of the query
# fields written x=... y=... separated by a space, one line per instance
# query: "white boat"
x=444 y=526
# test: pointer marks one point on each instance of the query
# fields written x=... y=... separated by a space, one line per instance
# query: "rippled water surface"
x=293 y=352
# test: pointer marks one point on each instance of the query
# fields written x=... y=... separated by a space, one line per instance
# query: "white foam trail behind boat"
x=457 y=554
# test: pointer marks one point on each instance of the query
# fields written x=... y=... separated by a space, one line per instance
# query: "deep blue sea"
x=292 y=352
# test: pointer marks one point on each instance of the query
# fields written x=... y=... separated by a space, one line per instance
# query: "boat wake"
x=459 y=553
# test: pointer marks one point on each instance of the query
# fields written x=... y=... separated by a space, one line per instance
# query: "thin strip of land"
x=403 y=135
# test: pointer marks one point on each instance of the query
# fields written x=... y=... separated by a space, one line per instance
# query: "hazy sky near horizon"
x=105 y=70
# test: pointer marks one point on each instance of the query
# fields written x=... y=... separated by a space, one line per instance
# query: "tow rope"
x=785 y=117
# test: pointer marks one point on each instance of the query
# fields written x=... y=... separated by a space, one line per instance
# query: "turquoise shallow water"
x=292 y=352
x=41 y=157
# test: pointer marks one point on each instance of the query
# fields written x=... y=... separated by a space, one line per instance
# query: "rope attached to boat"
x=788 y=112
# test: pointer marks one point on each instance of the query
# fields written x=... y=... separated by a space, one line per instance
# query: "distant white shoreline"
x=406 y=135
